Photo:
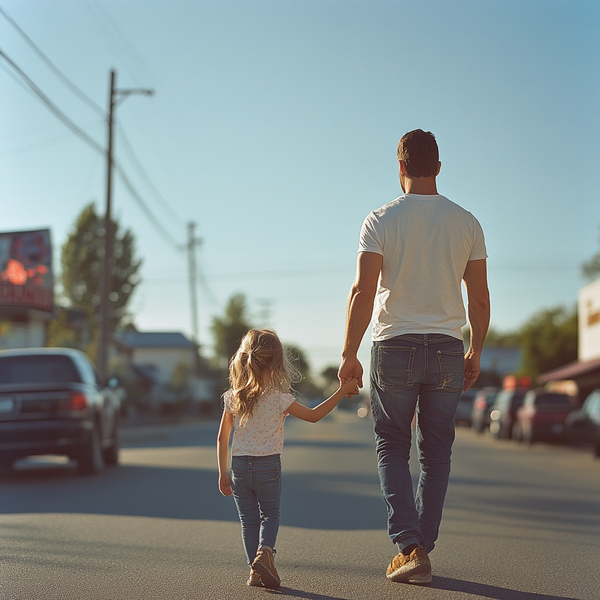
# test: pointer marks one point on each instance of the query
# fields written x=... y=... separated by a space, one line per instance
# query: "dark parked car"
x=504 y=412
x=465 y=407
x=52 y=402
x=482 y=407
x=583 y=426
x=542 y=417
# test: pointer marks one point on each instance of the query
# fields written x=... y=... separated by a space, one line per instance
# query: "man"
x=413 y=254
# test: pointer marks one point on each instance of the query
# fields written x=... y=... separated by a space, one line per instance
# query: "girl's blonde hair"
x=259 y=364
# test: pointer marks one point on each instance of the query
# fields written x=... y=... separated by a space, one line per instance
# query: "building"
x=26 y=288
x=170 y=366
x=585 y=371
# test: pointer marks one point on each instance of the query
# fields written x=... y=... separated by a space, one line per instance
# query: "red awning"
x=572 y=370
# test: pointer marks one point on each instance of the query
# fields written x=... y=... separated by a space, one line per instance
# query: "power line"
x=91 y=142
x=146 y=177
x=136 y=196
x=53 y=108
x=98 y=109
x=53 y=67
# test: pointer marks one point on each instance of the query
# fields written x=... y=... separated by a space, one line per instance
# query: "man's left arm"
x=478 y=299
x=359 y=313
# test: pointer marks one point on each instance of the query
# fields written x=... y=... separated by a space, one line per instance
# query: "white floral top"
x=262 y=434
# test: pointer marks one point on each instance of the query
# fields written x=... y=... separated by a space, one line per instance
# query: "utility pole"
x=193 y=241
x=115 y=96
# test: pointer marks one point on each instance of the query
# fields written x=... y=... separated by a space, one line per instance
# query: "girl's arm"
x=223 y=453
x=312 y=415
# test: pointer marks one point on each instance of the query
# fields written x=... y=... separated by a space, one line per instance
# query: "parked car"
x=52 y=402
x=504 y=411
x=465 y=407
x=542 y=417
x=482 y=407
x=583 y=426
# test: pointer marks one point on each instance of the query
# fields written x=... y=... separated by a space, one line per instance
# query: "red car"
x=542 y=417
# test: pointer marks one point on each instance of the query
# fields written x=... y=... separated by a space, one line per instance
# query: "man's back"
x=426 y=242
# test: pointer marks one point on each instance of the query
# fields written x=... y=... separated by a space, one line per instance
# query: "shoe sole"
x=267 y=578
x=420 y=574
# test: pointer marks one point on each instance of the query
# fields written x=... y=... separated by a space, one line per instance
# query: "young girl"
x=256 y=405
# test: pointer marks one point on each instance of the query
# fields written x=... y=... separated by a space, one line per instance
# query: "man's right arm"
x=359 y=313
x=478 y=299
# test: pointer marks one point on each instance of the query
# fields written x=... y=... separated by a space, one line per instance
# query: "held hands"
x=351 y=369
x=225 y=484
x=350 y=387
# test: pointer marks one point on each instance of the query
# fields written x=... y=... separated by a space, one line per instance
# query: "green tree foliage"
x=591 y=268
x=495 y=338
x=81 y=265
x=229 y=329
x=549 y=340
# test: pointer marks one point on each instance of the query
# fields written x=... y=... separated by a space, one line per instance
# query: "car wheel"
x=111 y=454
x=90 y=454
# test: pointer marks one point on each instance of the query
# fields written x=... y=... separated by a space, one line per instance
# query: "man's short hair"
x=419 y=152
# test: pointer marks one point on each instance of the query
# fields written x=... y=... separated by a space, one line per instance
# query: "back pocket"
x=268 y=481
x=394 y=366
x=452 y=370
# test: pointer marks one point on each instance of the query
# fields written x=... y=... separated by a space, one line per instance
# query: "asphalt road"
x=519 y=524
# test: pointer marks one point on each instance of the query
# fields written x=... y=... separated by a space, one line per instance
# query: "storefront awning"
x=575 y=370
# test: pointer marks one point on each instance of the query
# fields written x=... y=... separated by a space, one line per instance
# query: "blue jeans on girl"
x=256 y=485
x=423 y=372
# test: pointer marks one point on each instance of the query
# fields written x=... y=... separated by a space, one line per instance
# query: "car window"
x=38 y=369
x=552 y=399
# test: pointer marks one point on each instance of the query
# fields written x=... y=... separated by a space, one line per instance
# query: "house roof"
x=155 y=339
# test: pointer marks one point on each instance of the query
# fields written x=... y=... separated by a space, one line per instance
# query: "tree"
x=495 y=338
x=549 y=340
x=591 y=268
x=81 y=264
x=229 y=330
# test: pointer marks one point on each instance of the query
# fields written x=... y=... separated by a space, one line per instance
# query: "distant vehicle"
x=465 y=407
x=52 y=402
x=583 y=426
x=542 y=417
x=504 y=412
x=482 y=407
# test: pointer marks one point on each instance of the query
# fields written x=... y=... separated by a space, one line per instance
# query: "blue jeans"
x=423 y=372
x=256 y=485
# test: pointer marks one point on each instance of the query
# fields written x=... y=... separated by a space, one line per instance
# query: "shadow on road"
x=488 y=591
x=312 y=500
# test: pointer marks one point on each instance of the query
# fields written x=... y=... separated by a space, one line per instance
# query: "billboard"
x=589 y=322
x=26 y=278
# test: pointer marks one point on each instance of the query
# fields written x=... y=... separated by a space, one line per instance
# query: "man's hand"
x=350 y=369
x=472 y=369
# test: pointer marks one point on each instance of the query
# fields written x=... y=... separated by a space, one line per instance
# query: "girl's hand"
x=225 y=484
x=350 y=387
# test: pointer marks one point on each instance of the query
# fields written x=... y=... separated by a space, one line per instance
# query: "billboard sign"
x=589 y=322
x=26 y=278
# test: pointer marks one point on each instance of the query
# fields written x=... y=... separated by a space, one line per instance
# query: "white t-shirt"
x=262 y=433
x=426 y=242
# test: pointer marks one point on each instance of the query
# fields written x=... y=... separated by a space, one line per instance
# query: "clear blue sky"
x=274 y=126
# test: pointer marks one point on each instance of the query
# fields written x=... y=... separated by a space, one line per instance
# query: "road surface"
x=519 y=524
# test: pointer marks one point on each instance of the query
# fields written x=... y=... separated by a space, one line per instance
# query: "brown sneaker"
x=415 y=568
x=254 y=579
x=264 y=565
